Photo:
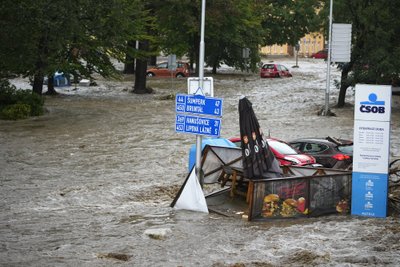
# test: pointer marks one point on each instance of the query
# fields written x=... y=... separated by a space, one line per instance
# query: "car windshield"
x=282 y=147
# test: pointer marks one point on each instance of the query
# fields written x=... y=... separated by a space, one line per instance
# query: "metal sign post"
x=201 y=76
x=328 y=63
x=172 y=66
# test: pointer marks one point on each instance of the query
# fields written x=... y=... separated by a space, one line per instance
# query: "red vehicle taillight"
x=341 y=157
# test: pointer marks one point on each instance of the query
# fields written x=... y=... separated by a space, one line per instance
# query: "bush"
x=35 y=101
x=18 y=104
x=7 y=93
x=15 y=112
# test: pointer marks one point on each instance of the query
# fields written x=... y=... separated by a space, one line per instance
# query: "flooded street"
x=90 y=181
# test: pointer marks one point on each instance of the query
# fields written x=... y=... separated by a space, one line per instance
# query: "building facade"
x=309 y=44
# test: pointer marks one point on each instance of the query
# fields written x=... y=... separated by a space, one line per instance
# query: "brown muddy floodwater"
x=90 y=182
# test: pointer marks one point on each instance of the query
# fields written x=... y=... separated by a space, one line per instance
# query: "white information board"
x=341 y=42
x=194 y=85
x=371 y=151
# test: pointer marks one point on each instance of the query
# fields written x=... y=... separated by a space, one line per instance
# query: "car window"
x=315 y=148
x=268 y=66
x=296 y=145
x=282 y=147
x=346 y=149
x=162 y=66
x=284 y=68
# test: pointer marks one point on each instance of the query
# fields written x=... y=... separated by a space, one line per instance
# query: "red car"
x=321 y=54
x=284 y=153
x=270 y=70
x=161 y=70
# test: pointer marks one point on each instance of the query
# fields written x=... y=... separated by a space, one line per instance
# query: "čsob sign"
x=373 y=105
x=372 y=113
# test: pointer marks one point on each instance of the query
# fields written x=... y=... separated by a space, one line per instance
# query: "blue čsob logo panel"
x=373 y=105
x=369 y=194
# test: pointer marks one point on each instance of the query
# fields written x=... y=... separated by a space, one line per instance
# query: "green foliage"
x=7 y=93
x=34 y=101
x=232 y=26
x=18 y=104
x=287 y=21
x=15 y=112
x=375 y=40
x=78 y=37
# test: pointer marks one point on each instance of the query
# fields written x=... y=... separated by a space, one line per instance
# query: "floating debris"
x=117 y=256
x=159 y=234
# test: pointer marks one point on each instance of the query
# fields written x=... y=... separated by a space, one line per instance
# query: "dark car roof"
x=327 y=140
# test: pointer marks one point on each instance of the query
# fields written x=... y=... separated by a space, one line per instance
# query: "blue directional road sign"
x=197 y=104
x=197 y=125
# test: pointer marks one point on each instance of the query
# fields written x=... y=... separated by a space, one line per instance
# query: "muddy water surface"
x=90 y=182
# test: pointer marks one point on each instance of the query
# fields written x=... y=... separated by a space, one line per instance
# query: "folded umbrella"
x=258 y=160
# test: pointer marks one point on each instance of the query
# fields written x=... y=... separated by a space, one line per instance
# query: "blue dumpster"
x=61 y=79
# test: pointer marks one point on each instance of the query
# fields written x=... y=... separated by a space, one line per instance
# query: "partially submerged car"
x=330 y=152
x=162 y=70
x=320 y=54
x=271 y=70
x=284 y=153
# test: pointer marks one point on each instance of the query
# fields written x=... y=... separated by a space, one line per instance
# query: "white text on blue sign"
x=198 y=125
x=197 y=104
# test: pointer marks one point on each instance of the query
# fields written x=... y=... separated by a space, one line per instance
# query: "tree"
x=178 y=28
x=375 y=42
x=78 y=37
x=287 y=21
x=141 y=67
x=144 y=51
x=232 y=26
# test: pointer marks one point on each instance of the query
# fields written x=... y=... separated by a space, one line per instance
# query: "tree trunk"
x=344 y=84
x=214 y=69
x=140 y=74
x=38 y=83
x=50 y=86
x=153 y=61
x=129 y=67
